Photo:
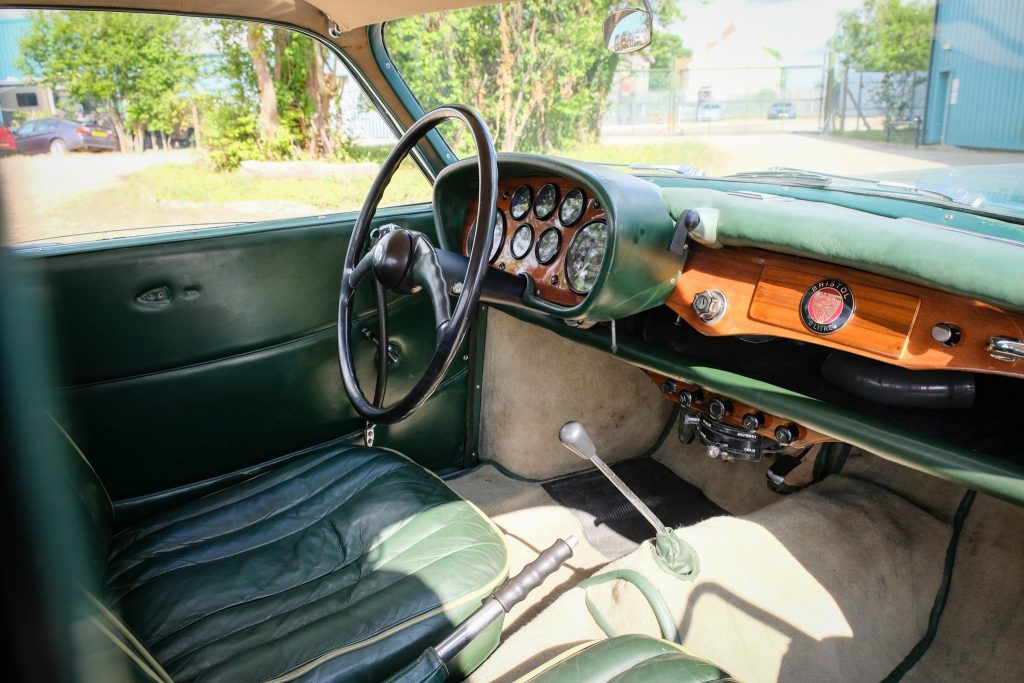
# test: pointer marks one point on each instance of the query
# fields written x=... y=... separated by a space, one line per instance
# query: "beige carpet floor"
x=531 y=521
x=834 y=583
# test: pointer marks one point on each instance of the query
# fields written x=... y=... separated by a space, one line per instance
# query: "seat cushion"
x=628 y=659
x=343 y=565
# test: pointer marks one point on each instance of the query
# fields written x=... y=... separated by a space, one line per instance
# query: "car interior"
x=732 y=430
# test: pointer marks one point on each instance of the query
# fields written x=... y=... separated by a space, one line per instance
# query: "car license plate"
x=99 y=134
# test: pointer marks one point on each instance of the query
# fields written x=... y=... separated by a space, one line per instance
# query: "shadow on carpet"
x=610 y=523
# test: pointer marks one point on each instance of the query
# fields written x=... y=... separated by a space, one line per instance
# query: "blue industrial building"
x=976 y=80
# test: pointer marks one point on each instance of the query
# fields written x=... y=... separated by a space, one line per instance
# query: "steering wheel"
x=405 y=261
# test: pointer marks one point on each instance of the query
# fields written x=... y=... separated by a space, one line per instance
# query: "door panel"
x=233 y=361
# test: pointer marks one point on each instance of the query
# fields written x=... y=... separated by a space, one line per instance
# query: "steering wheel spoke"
x=404 y=261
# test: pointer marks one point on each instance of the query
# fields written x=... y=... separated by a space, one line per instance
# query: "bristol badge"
x=827 y=306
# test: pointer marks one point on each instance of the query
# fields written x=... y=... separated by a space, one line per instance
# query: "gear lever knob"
x=574 y=437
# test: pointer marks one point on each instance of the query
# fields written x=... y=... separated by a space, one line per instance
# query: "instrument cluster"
x=551 y=230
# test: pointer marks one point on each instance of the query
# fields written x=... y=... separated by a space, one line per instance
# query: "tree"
x=893 y=37
x=537 y=70
x=131 y=67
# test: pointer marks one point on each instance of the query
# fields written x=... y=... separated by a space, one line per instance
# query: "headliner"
x=348 y=14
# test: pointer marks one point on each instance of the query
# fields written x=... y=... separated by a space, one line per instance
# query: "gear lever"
x=574 y=437
x=672 y=553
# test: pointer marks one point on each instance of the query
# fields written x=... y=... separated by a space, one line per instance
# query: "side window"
x=171 y=123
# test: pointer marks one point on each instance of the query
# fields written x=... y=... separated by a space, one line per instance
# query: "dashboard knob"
x=946 y=334
x=710 y=305
x=719 y=408
x=753 y=421
x=787 y=433
x=691 y=219
x=688 y=398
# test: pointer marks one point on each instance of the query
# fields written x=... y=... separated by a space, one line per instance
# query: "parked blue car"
x=60 y=136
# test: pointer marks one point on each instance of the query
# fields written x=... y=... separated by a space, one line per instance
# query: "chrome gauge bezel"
x=572 y=243
x=554 y=254
x=554 y=205
x=496 y=246
x=583 y=207
x=529 y=202
x=512 y=242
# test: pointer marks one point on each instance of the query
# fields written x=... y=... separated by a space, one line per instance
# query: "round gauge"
x=572 y=207
x=522 y=240
x=585 y=256
x=497 y=235
x=547 y=200
x=520 y=204
x=547 y=245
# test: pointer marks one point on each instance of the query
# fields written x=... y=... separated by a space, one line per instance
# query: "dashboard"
x=774 y=322
x=551 y=230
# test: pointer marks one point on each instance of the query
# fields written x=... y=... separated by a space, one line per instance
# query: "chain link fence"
x=801 y=98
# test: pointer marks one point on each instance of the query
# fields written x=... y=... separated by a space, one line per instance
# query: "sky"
x=798 y=29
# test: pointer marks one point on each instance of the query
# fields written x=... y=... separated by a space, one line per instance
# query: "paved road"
x=843 y=156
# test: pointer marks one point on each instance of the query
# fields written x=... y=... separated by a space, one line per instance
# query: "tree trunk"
x=270 y=122
x=195 y=125
x=123 y=143
x=139 y=139
x=323 y=88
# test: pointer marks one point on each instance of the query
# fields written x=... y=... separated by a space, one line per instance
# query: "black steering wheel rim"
x=451 y=335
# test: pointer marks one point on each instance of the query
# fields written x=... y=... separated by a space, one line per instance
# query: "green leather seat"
x=628 y=659
x=343 y=565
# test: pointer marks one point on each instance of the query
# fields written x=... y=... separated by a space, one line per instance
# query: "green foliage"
x=131 y=67
x=229 y=135
x=891 y=36
x=536 y=70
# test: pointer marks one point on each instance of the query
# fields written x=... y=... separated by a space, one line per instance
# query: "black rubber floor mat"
x=610 y=523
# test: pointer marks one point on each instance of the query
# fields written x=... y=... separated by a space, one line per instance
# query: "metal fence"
x=800 y=98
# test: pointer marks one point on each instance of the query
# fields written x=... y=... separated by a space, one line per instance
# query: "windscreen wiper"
x=678 y=169
x=954 y=195
x=791 y=176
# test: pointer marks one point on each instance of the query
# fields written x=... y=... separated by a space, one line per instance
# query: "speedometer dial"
x=572 y=207
x=522 y=240
x=547 y=246
x=520 y=204
x=547 y=200
x=585 y=256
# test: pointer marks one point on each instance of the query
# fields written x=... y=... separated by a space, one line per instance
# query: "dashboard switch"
x=710 y=305
x=753 y=421
x=688 y=398
x=946 y=334
x=787 y=433
x=719 y=408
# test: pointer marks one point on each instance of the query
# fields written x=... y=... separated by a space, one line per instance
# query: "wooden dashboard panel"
x=892 y=320
x=549 y=279
x=881 y=323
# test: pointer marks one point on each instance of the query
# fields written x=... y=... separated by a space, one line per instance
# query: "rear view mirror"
x=628 y=30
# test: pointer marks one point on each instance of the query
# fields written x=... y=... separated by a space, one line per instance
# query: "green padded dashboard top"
x=952 y=259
